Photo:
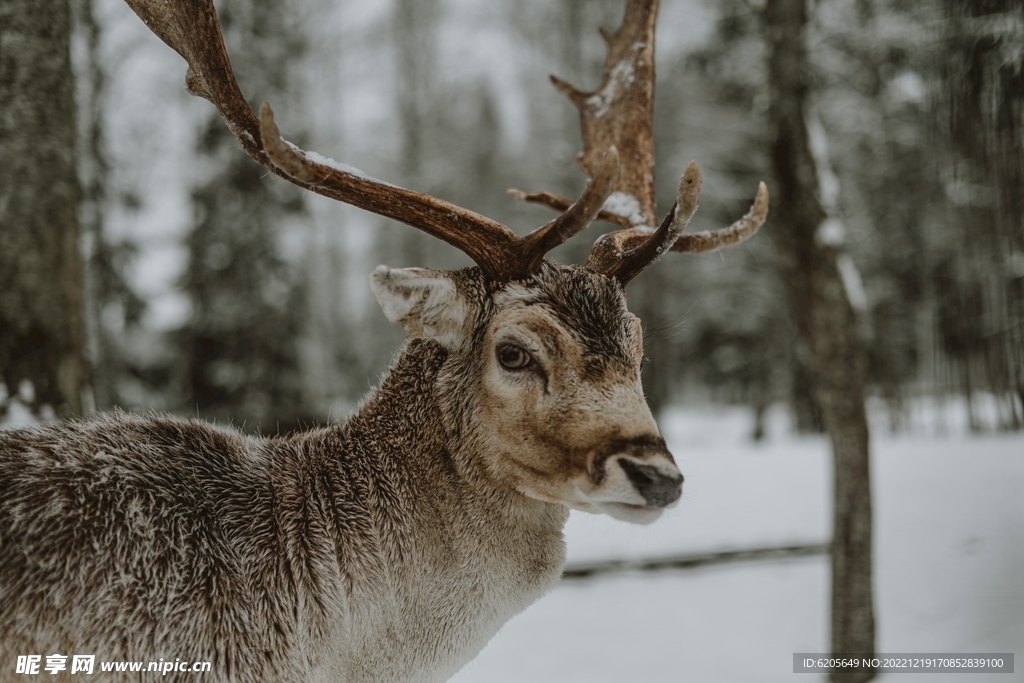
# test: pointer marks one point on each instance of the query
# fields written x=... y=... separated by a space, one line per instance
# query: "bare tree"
x=980 y=278
x=41 y=340
x=414 y=26
x=826 y=319
x=242 y=360
x=112 y=307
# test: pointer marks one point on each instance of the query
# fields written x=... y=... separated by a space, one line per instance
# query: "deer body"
x=387 y=548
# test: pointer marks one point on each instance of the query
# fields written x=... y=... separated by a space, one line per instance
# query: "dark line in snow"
x=694 y=560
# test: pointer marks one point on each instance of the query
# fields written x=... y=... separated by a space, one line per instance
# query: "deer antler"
x=619 y=113
x=191 y=28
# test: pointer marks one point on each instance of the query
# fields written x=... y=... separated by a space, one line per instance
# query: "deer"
x=393 y=544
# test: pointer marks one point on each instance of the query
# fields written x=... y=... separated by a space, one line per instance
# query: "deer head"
x=542 y=383
x=543 y=360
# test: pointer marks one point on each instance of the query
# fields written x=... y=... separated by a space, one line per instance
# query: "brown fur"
x=389 y=547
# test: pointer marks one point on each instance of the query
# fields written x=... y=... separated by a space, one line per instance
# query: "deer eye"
x=514 y=357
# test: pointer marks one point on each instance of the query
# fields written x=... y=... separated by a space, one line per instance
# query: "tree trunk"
x=103 y=273
x=241 y=344
x=41 y=339
x=980 y=111
x=826 y=320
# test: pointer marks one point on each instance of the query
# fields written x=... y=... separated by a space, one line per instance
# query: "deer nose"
x=658 y=488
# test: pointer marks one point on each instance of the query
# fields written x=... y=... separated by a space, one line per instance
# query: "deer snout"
x=636 y=479
x=660 y=485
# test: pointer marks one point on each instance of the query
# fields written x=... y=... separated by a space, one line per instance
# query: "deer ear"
x=425 y=302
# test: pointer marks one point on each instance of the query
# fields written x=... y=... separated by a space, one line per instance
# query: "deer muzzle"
x=659 y=486
x=635 y=479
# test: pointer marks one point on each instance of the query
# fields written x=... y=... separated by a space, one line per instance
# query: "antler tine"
x=576 y=217
x=740 y=231
x=553 y=201
x=619 y=113
x=614 y=256
x=191 y=29
x=625 y=253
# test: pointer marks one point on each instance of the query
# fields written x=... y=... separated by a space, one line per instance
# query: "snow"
x=625 y=205
x=335 y=165
x=831 y=232
x=340 y=166
x=949 y=525
x=907 y=87
x=16 y=411
x=828 y=181
x=852 y=282
x=18 y=416
x=620 y=77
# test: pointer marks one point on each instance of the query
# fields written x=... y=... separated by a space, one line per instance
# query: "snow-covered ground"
x=949 y=563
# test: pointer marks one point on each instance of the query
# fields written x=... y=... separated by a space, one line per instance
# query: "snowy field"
x=949 y=562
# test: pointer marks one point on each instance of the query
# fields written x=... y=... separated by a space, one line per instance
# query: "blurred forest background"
x=211 y=287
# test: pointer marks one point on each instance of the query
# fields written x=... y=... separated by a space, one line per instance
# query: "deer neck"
x=421 y=419
x=454 y=553
x=414 y=430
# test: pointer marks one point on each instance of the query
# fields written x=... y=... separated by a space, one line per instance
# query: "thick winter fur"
x=390 y=547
